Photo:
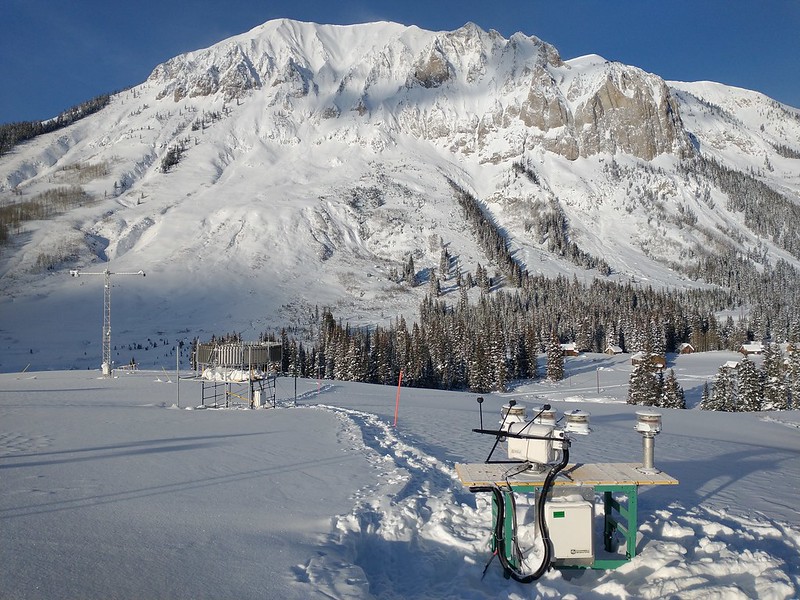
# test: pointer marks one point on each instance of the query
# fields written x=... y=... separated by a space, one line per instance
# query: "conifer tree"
x=532 y=350
x=637 y=384
x=435 y=285
x=723 y=393
x=644 y=387
x=555 y=359
x=294 y=360
x=285 y=351
x=444 y=264
x=705 y=398
x=583 y=339
x=481 y=278
x=402 y=345
x=521 y=360
x=381 y=351
x=673 y=396
x=612 y=337
x=656 y=341
x=418 y=359
x=751 y=393
x=793 y=375
x=775 y=394
x=410 y=272
x=479 y=380
x=498 y=359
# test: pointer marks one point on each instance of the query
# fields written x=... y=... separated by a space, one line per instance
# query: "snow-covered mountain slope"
x=311 y=161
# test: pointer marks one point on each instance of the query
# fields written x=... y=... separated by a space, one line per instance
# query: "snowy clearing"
x=110 y=491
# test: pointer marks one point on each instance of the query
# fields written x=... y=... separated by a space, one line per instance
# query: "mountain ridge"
x=309 y=164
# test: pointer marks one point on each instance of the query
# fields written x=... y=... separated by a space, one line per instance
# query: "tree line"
x=766 y=212
x=482 y=346
x=775 y=385
x=41 y=206
x=12 y=134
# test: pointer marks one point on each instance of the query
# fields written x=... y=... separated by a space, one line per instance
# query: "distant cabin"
x=685 y=348
x=752 y=348
x=731 y=364
x=570 y=349
x=654 y=360
x=612 y=350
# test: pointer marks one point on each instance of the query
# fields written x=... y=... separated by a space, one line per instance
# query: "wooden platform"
x=501 y=474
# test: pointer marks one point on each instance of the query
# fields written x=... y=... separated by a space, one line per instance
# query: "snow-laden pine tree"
x=793 y=375
x=612 y=337
x=479 y=378
x=444 y=264
x=555 y=359
x=637 y=385
x=751 y=395
x=498 y=359
x=656 y=340
x=583 y=338
x=381 y=351
x=532 y=350
x=402 y=344
x=518 y=362
x=286 y=352
x=775 y=393
x=410 y=272
x=481 y=278
x=644 y=386
x=672 y=396
x=705 y=398
x=294 y=360
x=419 y=362
x=723 y=392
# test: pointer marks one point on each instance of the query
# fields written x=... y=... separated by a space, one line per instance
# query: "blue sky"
x=57 y=53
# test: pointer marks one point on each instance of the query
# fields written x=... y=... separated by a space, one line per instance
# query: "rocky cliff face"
x=632 y=113
x=466 y=89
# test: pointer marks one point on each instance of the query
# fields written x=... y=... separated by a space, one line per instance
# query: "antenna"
x=106 y=365
x=511 y=404
x=543 y=409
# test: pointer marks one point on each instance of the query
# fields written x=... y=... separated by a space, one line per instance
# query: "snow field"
x=109 y=491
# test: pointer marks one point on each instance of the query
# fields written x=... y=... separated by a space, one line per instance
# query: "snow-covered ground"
x=108 y=489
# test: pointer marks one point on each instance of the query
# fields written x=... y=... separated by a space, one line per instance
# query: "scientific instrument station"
x=565 y=494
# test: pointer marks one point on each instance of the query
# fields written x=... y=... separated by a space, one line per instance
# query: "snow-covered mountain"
x=301 y=165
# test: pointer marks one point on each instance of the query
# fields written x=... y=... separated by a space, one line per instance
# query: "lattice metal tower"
x=106 y=366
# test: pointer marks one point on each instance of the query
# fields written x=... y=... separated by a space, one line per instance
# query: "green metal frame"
x=618 y=516
x=611 y=524
x=508 y=527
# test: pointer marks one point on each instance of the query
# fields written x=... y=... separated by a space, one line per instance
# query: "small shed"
x=752 y=348
x=611 y=349
x=685 y=348
x=654 y=360
x=570 y=349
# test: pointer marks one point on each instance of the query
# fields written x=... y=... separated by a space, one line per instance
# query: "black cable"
x=514 y=527
x=499 y=530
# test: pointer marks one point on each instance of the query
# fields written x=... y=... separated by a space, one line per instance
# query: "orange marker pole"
x=397 y=401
